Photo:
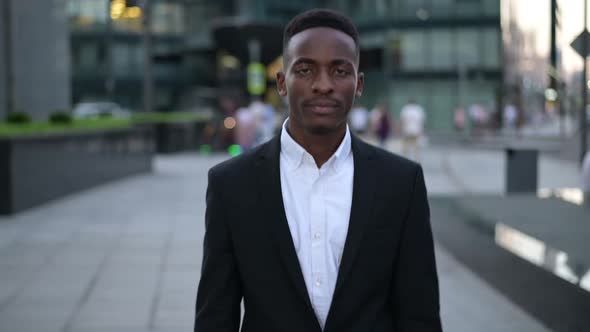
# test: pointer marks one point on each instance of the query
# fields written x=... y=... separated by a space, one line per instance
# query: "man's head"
x=320 y=75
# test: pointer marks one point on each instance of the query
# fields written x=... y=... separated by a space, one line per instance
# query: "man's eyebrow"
x=341 y=62
x=333 y=62
x=304 y=60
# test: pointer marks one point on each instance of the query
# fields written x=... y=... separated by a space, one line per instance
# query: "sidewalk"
x=125 y=257
x=457 y=169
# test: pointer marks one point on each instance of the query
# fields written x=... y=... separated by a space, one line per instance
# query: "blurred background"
x=112 y=111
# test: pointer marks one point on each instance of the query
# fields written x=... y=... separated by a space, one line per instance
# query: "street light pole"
x=148 y=80
x=109 y=82
x=8 y=65
x=583 y=126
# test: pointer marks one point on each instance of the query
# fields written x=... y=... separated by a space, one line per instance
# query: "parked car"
x=99 y=109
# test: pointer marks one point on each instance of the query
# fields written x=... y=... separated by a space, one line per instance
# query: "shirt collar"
x=295 y=153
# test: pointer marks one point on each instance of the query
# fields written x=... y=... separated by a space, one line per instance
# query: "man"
x=316 y=230
x=412 y=121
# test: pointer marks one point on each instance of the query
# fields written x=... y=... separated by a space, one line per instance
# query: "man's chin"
x=323 y=129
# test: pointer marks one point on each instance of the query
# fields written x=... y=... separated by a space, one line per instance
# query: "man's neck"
x=320 y=147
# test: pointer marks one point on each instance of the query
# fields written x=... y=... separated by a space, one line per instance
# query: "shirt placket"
x=318 y=248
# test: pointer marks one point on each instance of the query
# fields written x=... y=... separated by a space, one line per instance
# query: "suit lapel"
x=363 y=194
x=271 y=198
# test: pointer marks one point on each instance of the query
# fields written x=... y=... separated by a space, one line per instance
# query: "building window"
x=120 y=59
x=441 y=50
x=468 y=7
x=167 y=18
x=87 y=57
x=491 y=48
x=491 y=7
x=410 y=9
x=413 y=50
x=467 y=48
x=87 y=12
x=442 y=8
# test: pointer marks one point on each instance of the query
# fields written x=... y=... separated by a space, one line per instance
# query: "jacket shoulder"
x=236 y=168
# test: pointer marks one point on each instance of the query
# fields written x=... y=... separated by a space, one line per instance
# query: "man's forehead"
x=322 y=39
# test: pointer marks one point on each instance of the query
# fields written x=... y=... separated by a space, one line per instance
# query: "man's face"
x=320 y=80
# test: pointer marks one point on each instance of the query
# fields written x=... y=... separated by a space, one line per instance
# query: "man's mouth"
x=322 y=107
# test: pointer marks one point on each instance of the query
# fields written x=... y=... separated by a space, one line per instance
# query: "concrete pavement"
x=126 y=256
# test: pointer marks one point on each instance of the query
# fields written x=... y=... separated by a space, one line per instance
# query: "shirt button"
x=317 y=236
x=318 y=282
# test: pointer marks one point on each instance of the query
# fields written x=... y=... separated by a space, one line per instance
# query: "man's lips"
x=322 y=107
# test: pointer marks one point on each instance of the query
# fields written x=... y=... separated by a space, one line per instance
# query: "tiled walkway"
x=126 y=257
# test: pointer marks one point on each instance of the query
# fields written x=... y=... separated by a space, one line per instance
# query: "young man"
x=316 y=230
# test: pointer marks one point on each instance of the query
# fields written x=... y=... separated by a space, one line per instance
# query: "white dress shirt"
x=317 y=205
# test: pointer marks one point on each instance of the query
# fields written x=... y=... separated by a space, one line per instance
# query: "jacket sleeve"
x=219 y=293
x=415 y=282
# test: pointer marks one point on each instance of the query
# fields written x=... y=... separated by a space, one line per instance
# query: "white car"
x=98 y=109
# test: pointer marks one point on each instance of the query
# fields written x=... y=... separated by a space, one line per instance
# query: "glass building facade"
x=34 y=59
x=108 y=55
x=444 y=54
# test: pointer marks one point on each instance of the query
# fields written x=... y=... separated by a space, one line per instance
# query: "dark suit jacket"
x=387 y=278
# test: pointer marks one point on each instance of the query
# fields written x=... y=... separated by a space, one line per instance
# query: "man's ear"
x=281 y=85
x=360 y=82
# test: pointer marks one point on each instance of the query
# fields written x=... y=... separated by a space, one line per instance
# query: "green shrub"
x=60 y=117
x=18 y=117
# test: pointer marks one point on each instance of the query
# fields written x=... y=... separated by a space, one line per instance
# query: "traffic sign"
x=578 y=43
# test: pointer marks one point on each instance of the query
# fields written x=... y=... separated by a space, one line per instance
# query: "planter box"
x=520 y=256
x=34 y=170
x=177 y=137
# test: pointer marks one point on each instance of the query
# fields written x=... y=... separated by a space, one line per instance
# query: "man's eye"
x=342 y=72
x=303 y=71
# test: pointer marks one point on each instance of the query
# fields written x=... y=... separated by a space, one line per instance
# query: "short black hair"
x=316 y=18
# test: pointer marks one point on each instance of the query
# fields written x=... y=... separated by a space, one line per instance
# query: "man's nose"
x=322 y=84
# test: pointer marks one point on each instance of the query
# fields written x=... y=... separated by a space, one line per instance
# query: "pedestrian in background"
x=359 y=119
x=245 y=131
x=586 y=174
x=412 y=119
x=384 y=125
x=317 y=230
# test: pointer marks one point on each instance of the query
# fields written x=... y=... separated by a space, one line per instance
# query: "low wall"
x=34 y=170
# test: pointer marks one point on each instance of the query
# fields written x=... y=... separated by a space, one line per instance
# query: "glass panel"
x=442 y=8
x=413 y=50
x=491 y=49
x=167 y=18
x=468 y=8
x=410 y=8
x=88 y=55
x=443 y=103
x=467 y=48
x=491 y=7
x=136 y=57
x=120 y=59
x=442 y=54
x=87 y=12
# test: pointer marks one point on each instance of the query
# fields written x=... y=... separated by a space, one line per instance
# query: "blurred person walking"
x=359 y=119
x=586 y=175
x=317 y=230
x=510 y=118
x=264 y=115
x=245 y=132
x=384 y=125
x=459 y=119
x=412 y=119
